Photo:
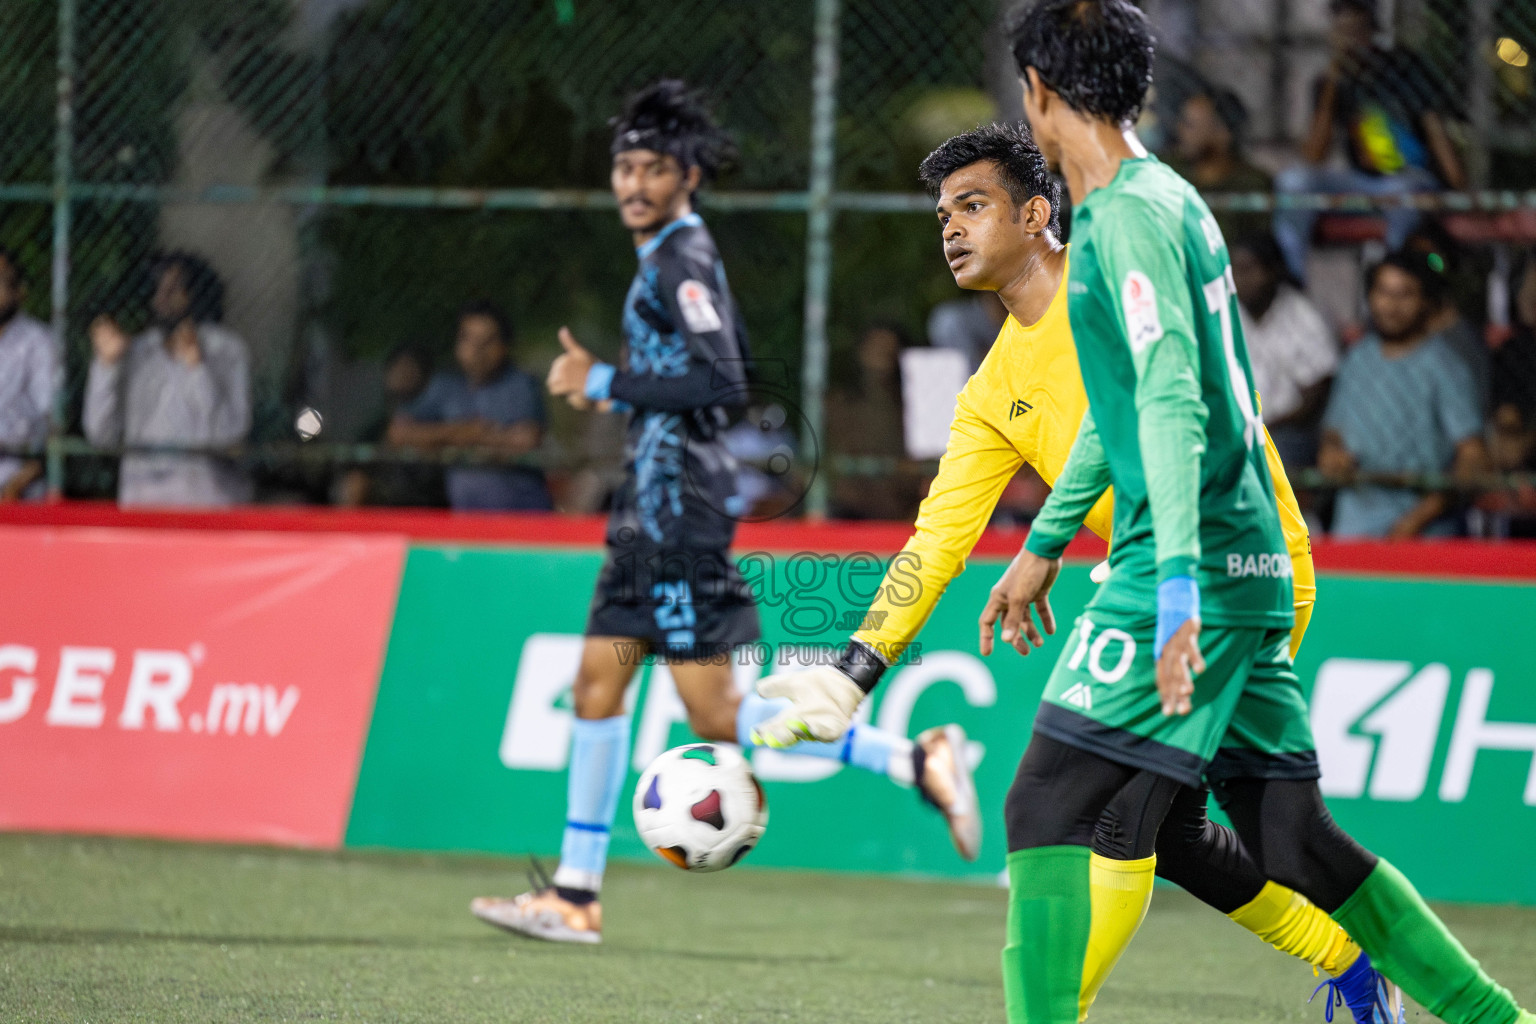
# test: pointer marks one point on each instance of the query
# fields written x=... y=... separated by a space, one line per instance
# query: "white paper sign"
x=931 y=379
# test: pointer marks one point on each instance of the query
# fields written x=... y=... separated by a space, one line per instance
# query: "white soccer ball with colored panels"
x=700 y=807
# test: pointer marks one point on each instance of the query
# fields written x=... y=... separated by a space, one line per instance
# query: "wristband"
x=599 y=380
x=1178 y=601
x=860 y=663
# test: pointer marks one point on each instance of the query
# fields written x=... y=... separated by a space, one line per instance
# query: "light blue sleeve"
x=1336 y=413
x=1456 y=395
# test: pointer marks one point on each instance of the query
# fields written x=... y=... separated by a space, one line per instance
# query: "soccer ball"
x=700 y=807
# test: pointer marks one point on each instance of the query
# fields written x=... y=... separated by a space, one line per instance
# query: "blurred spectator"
x=1404 y=403
x=30 y=374
x=763 y=443
x=1442 y=254
x=487 y=403
x=967 y=325
x=183 y=382
x=1208 y=153
x=864 y=419
x=1291 y=348
x=406 y=371
x=1514 y=389
x=1388 y=108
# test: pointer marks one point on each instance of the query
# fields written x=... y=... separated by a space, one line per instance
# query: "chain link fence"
x=355 y=170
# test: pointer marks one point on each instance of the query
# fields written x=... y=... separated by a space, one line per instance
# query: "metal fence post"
x=818 y=234
x=63 y=152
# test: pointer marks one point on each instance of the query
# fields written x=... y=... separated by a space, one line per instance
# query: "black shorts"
x=686 y=606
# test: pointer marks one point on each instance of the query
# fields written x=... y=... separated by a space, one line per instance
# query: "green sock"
x=1411 y=946
x=1049 y=909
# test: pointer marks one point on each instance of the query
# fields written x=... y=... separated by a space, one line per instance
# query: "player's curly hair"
x=1021 y=166
x=1096 y=54
x=668 y=117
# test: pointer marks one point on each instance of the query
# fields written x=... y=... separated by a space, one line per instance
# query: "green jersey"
x=1172 y=420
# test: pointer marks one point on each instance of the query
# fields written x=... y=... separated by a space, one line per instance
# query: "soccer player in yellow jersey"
x=997 y=208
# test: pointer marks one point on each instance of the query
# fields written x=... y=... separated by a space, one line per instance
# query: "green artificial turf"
x=106 y=930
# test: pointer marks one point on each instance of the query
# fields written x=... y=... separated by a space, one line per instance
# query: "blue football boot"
x=1370 y=997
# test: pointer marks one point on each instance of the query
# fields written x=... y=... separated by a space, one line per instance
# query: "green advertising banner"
x=1424 y=714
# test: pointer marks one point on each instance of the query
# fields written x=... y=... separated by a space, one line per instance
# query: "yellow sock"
x=1119 y=891
x=1293 y=924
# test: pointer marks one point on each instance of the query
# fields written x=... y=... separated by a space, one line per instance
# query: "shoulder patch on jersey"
x=1139 y=302
x=698 y=311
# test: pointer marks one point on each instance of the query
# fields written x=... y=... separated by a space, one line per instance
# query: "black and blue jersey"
x=684 y=366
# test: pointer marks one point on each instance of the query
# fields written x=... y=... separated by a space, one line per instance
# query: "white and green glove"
x=822 y=703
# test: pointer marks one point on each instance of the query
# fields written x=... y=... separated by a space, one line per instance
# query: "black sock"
x=580 y=897
x=919 y=764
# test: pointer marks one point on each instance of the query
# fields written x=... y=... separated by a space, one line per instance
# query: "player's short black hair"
x=668 y=117
x=491 y=311
x=1096 y=54
x=1009 y=145
x=1416 y=265
x=205 y=288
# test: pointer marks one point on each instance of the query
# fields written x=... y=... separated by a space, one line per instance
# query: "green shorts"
x=1249 y=718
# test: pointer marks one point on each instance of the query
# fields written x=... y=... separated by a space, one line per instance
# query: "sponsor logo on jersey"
x=1276 y=566
x=1079 y=695
x=698 y=311
x=1139 y=302
x=1018 y=408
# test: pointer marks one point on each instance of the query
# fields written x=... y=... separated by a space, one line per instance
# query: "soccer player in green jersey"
x=1180 y=664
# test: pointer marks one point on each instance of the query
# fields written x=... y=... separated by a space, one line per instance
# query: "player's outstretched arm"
x=709 y=370
x=977 y=465
x=822 y=700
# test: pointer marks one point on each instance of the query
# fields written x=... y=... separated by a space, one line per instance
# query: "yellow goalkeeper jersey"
x=1024 y=405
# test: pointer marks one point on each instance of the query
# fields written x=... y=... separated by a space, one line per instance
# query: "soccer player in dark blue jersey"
x=669 y=586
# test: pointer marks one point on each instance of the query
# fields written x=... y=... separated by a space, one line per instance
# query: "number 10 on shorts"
x=1098 y=651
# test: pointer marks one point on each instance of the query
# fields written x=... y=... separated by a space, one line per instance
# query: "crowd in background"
x=1387 y=412
x=1406 y=387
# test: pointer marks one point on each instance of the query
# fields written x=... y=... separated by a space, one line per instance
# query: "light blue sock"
x=599 y=761
x=863 y=745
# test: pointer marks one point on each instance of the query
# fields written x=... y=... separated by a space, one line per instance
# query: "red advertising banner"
x=193 y=685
